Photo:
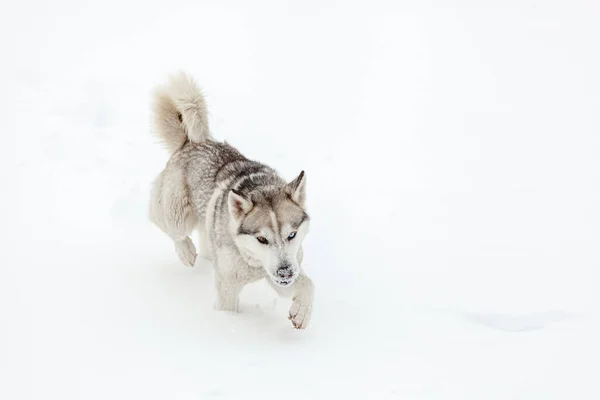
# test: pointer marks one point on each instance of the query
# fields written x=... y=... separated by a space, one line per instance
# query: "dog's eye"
x=291 y=235
x=262 y=240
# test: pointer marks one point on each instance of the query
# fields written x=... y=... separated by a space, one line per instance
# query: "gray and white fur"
x=251 y=222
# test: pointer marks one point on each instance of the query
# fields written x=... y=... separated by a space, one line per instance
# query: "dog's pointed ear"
x=238 y=204
x=297 y=189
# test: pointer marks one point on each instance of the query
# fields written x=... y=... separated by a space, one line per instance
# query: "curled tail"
x=180 y=112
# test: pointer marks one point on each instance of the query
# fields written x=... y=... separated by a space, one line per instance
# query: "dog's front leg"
x=231 y=276
x=302 y=299
x=228 y=293
x=301 y=309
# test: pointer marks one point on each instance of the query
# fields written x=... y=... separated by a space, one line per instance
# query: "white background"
x=452 y=152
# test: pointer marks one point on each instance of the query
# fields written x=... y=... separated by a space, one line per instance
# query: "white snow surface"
x=452 y=153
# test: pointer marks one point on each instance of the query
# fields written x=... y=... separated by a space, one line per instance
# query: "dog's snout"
x=285 y=272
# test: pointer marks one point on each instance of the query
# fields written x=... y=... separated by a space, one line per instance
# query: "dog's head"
x=269 y=225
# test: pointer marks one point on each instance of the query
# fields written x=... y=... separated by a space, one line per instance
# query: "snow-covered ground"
x=452 y=151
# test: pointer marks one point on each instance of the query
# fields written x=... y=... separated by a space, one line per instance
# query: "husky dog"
x=251 y=222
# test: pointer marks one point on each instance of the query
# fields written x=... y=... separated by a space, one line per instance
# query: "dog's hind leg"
x=171 y=211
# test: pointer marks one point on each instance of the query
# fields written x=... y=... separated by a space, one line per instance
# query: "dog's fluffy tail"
x=180 y=112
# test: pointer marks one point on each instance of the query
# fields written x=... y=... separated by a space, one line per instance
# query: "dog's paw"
x=186 y=251
x=300 y=312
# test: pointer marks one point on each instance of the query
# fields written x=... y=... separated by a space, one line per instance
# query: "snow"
x=452 y=158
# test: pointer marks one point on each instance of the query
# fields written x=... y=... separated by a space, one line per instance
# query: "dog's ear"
x=238 y=204
x=297 y=189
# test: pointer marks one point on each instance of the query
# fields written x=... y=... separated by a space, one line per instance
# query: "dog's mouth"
x=284 y=282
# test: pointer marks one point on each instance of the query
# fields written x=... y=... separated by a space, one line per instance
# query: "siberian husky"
x=251 y=222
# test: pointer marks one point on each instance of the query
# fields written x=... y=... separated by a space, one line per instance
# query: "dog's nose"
x=284 y=272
